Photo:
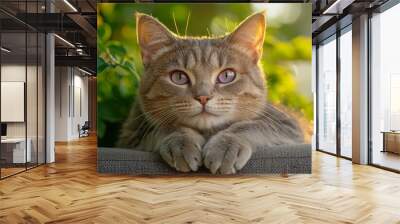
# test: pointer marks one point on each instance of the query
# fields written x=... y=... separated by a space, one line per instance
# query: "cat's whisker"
x=274 y=122
x=267 y=105
x=154 y=125
x=261 y=114
x=166 y=119
x=176 y=26
x=151 y=113
x=181 y=103
x=144 y=120
x=208 y=31
x=147 y=113
x=184 y=106
x=219 y=106
x=270 y=124
x=150 y=122
x=224 y=99
x=187 y=23
x=274 y=108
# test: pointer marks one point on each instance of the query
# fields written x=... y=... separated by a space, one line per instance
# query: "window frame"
x=339 y=32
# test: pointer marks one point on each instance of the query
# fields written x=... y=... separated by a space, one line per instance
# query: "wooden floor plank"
x=71 y=191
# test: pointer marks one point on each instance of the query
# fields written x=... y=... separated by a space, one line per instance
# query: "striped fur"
x=166 y=117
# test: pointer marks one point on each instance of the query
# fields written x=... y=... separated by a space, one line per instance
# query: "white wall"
x=33 y=126
x=12 y=73
x=80 y=88
x=70 y=83
x=62 y=81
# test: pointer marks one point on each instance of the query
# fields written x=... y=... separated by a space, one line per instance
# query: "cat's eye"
x=179 y=77
x=226 y=76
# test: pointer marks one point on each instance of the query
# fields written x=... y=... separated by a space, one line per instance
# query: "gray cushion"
x=277 y=159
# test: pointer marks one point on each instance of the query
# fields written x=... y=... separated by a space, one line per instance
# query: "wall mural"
x=206 y=88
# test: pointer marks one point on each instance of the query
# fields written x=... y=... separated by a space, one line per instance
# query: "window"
x=327 y=95
x=346 y=92
x=22 y=101
x=385 y=89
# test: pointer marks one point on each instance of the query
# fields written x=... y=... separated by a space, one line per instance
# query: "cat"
x=202 y=100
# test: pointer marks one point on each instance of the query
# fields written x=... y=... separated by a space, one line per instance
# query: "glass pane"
x=386 y=89
x=23 y=88
x=346 y=94
x=314 y=89
x=32 y=87
x=41 y=98
x=14 y=153
x=327 y=96
x=31 y=97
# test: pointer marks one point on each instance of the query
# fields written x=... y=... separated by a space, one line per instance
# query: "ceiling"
x=74 y=22
x=330 y=15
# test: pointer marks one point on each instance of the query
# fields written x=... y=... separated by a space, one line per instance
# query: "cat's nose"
x=203 y=99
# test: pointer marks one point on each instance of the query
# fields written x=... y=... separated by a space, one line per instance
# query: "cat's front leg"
x=226 y=153
x=182 y=149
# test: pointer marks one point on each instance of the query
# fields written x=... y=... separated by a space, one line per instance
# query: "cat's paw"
x=182 y=153
x=226 y=153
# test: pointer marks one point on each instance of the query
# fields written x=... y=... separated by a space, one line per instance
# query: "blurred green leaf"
x=101 y=65
x=116 y=52
x=104 y=32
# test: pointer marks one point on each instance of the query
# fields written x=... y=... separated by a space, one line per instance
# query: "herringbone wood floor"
x=70 y=191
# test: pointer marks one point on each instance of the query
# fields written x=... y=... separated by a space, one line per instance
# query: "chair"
x=84 y=130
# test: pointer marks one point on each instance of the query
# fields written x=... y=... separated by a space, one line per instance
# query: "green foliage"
x=119 y=64
x=117 y=84
x=282 y=87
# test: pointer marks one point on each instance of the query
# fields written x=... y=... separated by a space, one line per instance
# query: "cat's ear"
x=152 y=36
x=249 y=35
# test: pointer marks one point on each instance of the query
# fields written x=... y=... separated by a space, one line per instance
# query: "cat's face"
x=201 y=82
